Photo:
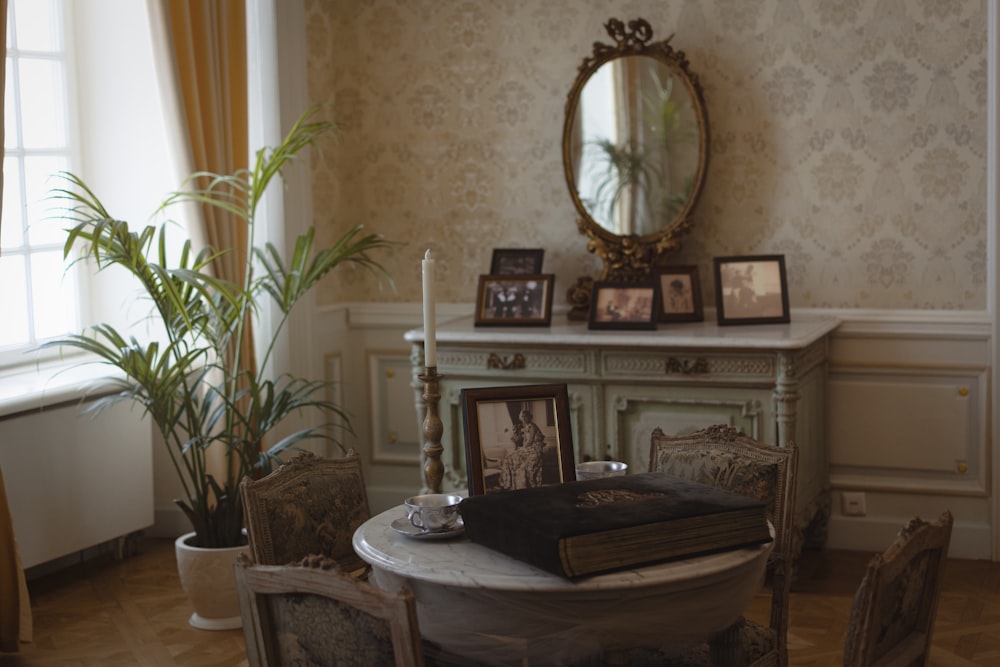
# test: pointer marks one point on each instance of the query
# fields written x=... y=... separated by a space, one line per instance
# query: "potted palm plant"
x=191 y=380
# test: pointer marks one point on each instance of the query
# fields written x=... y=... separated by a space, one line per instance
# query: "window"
x=81 y=102
x=40 y=296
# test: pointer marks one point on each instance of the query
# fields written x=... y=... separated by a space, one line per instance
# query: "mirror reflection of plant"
x=626 y=170
x=673 y=202
x=664 y=120
x=192 y=382
x=663 y=115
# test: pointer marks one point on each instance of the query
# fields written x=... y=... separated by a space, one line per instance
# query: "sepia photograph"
x=751 y=290
x=616 y=305
x=680 y=294
x=513 y=300
x=517 y=437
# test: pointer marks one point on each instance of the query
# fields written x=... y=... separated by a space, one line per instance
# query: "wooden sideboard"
x=767 y=380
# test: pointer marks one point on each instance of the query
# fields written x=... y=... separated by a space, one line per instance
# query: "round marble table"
x=477 y=602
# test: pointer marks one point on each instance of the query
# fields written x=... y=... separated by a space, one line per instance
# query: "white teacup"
x=595 y=469
x=433 y=511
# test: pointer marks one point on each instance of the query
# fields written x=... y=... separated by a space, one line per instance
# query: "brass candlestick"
x=433 y=429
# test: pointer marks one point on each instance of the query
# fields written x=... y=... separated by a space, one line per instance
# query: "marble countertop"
x=459 y=562
x=801 y=331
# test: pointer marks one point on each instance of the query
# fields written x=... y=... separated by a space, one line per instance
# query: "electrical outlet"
x=853 y=503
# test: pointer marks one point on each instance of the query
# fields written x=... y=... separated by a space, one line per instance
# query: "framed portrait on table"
x=620 y=305
x=752 y=289
x=518 y=261
x=514 y=300
x=517 y=437
x=680 y=294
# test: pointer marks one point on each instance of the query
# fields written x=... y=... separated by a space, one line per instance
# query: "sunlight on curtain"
x=208 y=45
x=15 y=608
x=3 y=85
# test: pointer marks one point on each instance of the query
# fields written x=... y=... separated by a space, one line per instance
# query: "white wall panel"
x=937 y=410
x=74 y=481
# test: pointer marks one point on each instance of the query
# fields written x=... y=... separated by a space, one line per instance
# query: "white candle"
x=430 y=344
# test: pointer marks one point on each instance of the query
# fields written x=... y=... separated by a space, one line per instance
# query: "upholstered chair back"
x=892 y=621
x=310 y=505
x=314 y=615
x=721 y=456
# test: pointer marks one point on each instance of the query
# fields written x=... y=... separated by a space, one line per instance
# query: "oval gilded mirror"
x=635 y=149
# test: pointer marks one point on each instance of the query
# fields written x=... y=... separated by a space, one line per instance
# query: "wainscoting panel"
x=909 y=427
x=944 y=410
x=394 y=439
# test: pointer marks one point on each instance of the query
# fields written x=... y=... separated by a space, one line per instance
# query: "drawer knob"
x=963 y=391
x=496 y=362
x=962 y=467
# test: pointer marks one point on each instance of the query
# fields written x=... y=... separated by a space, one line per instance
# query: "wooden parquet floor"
x=103 y=613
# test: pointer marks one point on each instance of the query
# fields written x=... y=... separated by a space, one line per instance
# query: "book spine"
x=655 y=541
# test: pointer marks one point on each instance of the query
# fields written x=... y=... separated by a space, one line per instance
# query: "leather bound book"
x=581 y=528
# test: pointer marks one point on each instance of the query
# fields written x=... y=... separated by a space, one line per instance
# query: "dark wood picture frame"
x=514 y=300
x=751 y=289
x=517 y=261
x=504 y=449
x=680 y=293
x=624 y=305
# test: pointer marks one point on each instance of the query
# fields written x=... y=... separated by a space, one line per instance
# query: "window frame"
x=18 y=355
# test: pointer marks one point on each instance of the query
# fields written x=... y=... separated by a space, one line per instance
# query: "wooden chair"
x=892 y=620
x=310 y=505
x=723 y=457
x=314 y=614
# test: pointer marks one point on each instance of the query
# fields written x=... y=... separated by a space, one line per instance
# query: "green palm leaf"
x=195 y=390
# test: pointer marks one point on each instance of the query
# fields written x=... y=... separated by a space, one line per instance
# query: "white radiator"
x=75 y=481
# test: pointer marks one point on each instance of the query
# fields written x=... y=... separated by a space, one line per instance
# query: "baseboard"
x=875 y=535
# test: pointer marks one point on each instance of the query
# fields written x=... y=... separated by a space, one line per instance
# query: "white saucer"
x=403 y=526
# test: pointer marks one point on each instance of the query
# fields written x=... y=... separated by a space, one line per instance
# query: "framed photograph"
x=514 y=300
x=518 y=261
x=517 y=437
x=751 y=290
x=680 y=294
x=618 y=305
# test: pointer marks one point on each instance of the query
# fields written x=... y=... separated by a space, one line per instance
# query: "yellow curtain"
x=208 y=39
x=15 y=608
x=3 y=84
x=209 y=43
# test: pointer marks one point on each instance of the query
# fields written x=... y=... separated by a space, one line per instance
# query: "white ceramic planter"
x=208 y=578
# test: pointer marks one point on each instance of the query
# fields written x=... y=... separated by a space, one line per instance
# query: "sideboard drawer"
x=690 y=366
x=499 y=361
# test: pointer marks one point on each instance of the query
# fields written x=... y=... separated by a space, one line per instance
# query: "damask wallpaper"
x=848 y=135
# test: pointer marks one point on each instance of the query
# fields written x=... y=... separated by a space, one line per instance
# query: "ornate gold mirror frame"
x=635 y=153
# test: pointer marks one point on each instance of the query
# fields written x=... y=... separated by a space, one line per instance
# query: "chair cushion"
x=723 y=469
x=314 y=630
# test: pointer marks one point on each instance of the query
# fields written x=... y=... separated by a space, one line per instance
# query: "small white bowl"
x=595 y=469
